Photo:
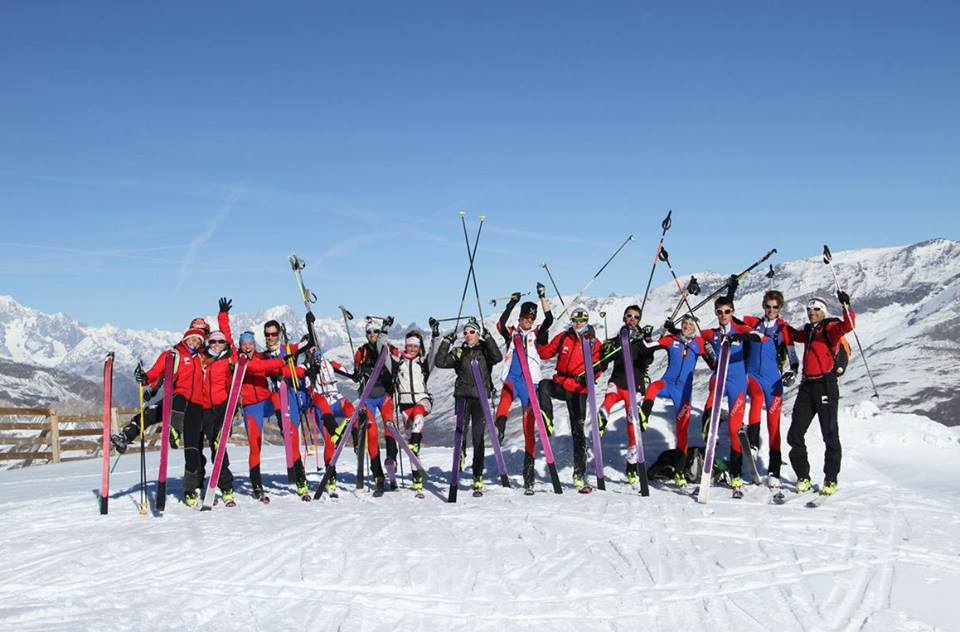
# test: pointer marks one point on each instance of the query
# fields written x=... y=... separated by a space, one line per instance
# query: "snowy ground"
x=883 y=555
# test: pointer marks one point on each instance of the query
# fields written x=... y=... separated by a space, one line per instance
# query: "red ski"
x=232 y=400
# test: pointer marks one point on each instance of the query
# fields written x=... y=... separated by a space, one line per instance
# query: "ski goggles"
x=470 y=330
x=631 y=316
x=373 y=331
x=722 y=312
x=579 y=315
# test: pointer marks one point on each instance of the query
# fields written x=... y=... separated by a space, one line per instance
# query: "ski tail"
x=747 y=454
x=107 y=404
x=488 y=417
x=632 y=410
x=520 y=349
x=592 y=411
x=353 y=420
x=287 y=427
x=706 y=477
x=232 y=400
x=457 y=447
x=161 y=500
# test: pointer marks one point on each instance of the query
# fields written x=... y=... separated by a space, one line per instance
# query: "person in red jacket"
x=189 y=399
x=257 y=396
x=568 y=386
x=819 y=394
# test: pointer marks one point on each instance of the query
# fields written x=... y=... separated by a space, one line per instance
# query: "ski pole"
x=665 y=257
x=346 y=327
x=692 y=289
x=553 y=283
x=828 y=259
x=143 y=457
x=473 y=268
x=493 y=301
x=452 y=318
x=590 y=282
x=665 y=225
x=466 y=284
x=716 y=292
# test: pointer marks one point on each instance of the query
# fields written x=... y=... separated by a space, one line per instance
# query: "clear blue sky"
x=158 y=155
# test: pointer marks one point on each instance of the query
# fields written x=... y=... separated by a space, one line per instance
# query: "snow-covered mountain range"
x=907 y=298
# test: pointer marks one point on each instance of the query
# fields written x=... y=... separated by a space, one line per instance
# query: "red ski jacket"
x=188 y=374
x=821 y=343
x=569 y=351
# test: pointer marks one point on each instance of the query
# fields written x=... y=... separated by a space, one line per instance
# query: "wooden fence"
x=41 y=435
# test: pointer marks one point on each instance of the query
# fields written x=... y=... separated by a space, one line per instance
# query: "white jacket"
x=533 y=358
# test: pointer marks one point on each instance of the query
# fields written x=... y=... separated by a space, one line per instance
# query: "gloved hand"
x=844 y=298
x=148 y=394
x=310 y=318
x=515 y=297
x=789 y=378
x=485 y=333
x=450 y=337
x=387 y=323
x=541 y=290
x=647 y=331
x=225 y=304
x=732 y=284
x=355 y=376
x=139 y=374
x=434 y=326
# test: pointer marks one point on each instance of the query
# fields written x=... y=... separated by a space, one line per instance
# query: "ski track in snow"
x=884 y=554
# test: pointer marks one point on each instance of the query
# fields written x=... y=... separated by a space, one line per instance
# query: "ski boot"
x=633 y=479
x=679 y=480
x=477 y=487
x=331 y=488
x=417 y=484
x=829 y=488
x=303 y=491
x=191 y=499
x=736 y=484
x=228 y=498
x=175 y=440
x=261 y=495
x=528 y=489
x=378 y=486
x=578 y=481
x=804 y=485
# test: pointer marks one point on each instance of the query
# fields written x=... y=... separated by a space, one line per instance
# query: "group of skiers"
x=762 y=362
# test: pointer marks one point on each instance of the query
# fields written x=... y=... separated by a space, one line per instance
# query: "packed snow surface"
x=884 y=554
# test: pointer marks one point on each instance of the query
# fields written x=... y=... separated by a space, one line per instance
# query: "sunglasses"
x=631 y=317
x=271 y=334
x=373 y=331
x=770 y=306
x=470 y=331
x=579 y=320
x=813 y=309
x=216 y=342
x=723 y=311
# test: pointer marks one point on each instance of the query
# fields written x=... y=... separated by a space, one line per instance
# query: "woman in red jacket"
x=189 y=400
x=567 y=385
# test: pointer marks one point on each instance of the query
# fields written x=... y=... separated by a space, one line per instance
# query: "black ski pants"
x=202 y=425
x=577 y=411
x=474 y=422
x=818 y=398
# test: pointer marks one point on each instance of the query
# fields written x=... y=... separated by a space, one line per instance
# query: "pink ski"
x=521 y=350
x=232 y=400
x=165 y=431
x=287 y=431
x=107 y=401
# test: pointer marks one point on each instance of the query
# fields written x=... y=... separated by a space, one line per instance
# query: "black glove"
x=647 y=331
x=355 y=376
x=669 y=326
x=387 y=323
x=139 y=375
x=844 y=298
x=732 y=284
x=582 y=379
x=310 y=318
x=148 y=394
x=450 y=337
x=789 y=378
x=225 y=304
x=434 y=326
x=515 y=297
x=541 y=290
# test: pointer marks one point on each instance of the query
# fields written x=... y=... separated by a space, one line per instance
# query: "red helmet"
x=200 y=323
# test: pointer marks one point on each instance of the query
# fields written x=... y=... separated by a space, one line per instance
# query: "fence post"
x=55 y=437
x=114 y=421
